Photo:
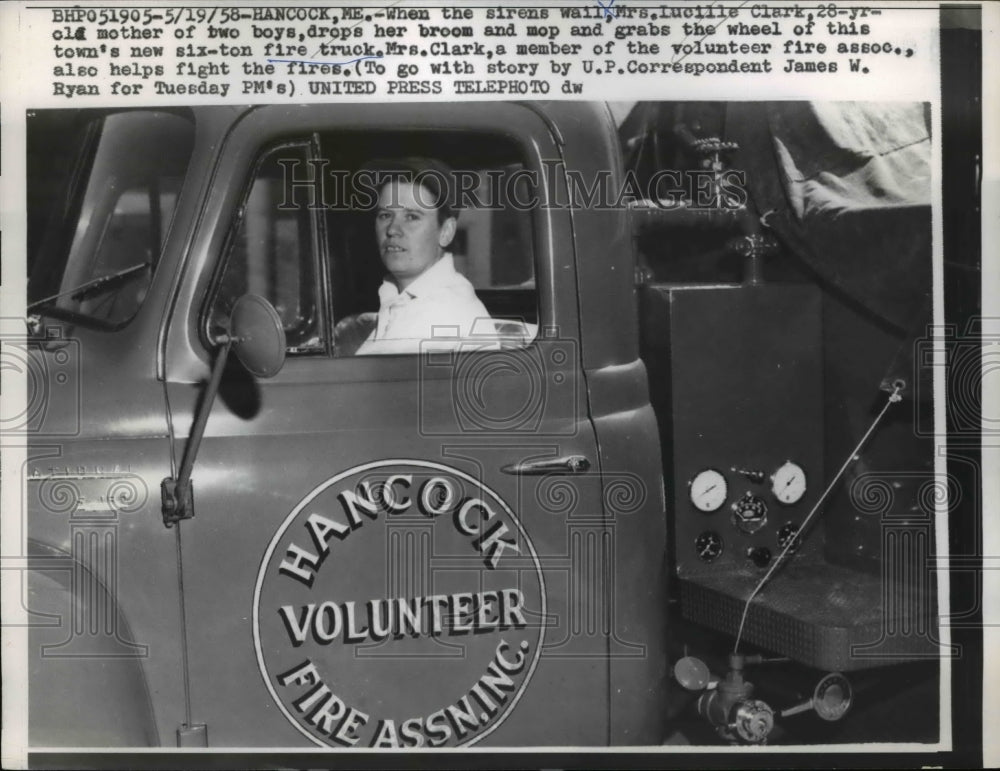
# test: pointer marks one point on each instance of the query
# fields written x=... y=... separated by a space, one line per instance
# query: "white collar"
x=438 y=274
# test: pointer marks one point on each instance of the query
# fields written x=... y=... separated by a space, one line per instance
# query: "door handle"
x=570 y=464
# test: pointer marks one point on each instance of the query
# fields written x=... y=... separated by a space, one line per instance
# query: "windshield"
x=104 y=242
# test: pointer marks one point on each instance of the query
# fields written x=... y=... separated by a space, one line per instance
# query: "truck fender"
x=88 y=686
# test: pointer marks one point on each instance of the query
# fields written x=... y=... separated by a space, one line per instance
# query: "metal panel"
x=745 y=394
x=737 y=381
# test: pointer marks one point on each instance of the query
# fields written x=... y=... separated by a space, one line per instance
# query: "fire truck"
x=641 y=509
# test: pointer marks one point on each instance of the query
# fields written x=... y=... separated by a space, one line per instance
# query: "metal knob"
x=759 y=556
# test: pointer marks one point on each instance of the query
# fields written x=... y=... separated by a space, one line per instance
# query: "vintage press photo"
x=449 y=407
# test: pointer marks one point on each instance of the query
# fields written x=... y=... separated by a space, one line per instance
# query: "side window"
x=493 y=245
x=492 y=248
x=273 y=252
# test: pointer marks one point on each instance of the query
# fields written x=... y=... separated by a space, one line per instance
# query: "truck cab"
x=504 y=541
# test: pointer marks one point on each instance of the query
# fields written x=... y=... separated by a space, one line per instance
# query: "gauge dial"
x=708 y=490
x=786 y=535
x=709 y=546
x=788 y=483
x=749 y=513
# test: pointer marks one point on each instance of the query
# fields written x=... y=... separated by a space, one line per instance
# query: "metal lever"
x=570 y=464
x=831 y=699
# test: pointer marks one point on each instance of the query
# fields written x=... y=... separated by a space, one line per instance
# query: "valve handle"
x=831 y=699
x=692 y=673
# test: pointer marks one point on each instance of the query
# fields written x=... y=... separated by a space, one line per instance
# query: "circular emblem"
x=400 y=604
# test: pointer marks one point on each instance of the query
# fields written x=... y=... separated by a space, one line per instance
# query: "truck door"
x=390 y=550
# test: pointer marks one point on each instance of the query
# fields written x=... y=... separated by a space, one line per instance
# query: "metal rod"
x=201 y=418
x=185 y=671
x=893 y=398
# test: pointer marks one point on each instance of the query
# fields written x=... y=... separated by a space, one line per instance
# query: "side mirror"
x=258 y=338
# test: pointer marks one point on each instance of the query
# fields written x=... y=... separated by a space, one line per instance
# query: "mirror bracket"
x=176 y=495
x=177 y=502
x=258 y=338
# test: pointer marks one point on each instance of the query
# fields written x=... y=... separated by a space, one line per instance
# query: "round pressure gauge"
x=708 y=490
x=709 y=546
x=788 y=483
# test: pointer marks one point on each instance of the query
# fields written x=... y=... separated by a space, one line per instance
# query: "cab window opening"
x=493 y=243
x=305 y=239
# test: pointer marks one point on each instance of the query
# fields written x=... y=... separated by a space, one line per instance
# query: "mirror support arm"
x=177 y=495
x=258 y=338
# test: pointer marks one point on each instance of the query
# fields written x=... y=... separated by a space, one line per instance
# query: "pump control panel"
x=742 y=430
x=747 y=429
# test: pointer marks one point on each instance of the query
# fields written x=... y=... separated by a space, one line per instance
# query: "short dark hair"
x=432 y=174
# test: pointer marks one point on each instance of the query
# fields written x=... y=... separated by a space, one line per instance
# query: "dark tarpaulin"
x=846 y=185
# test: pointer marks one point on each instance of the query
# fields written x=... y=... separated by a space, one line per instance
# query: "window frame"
x=322 y=301
x=239 y=141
